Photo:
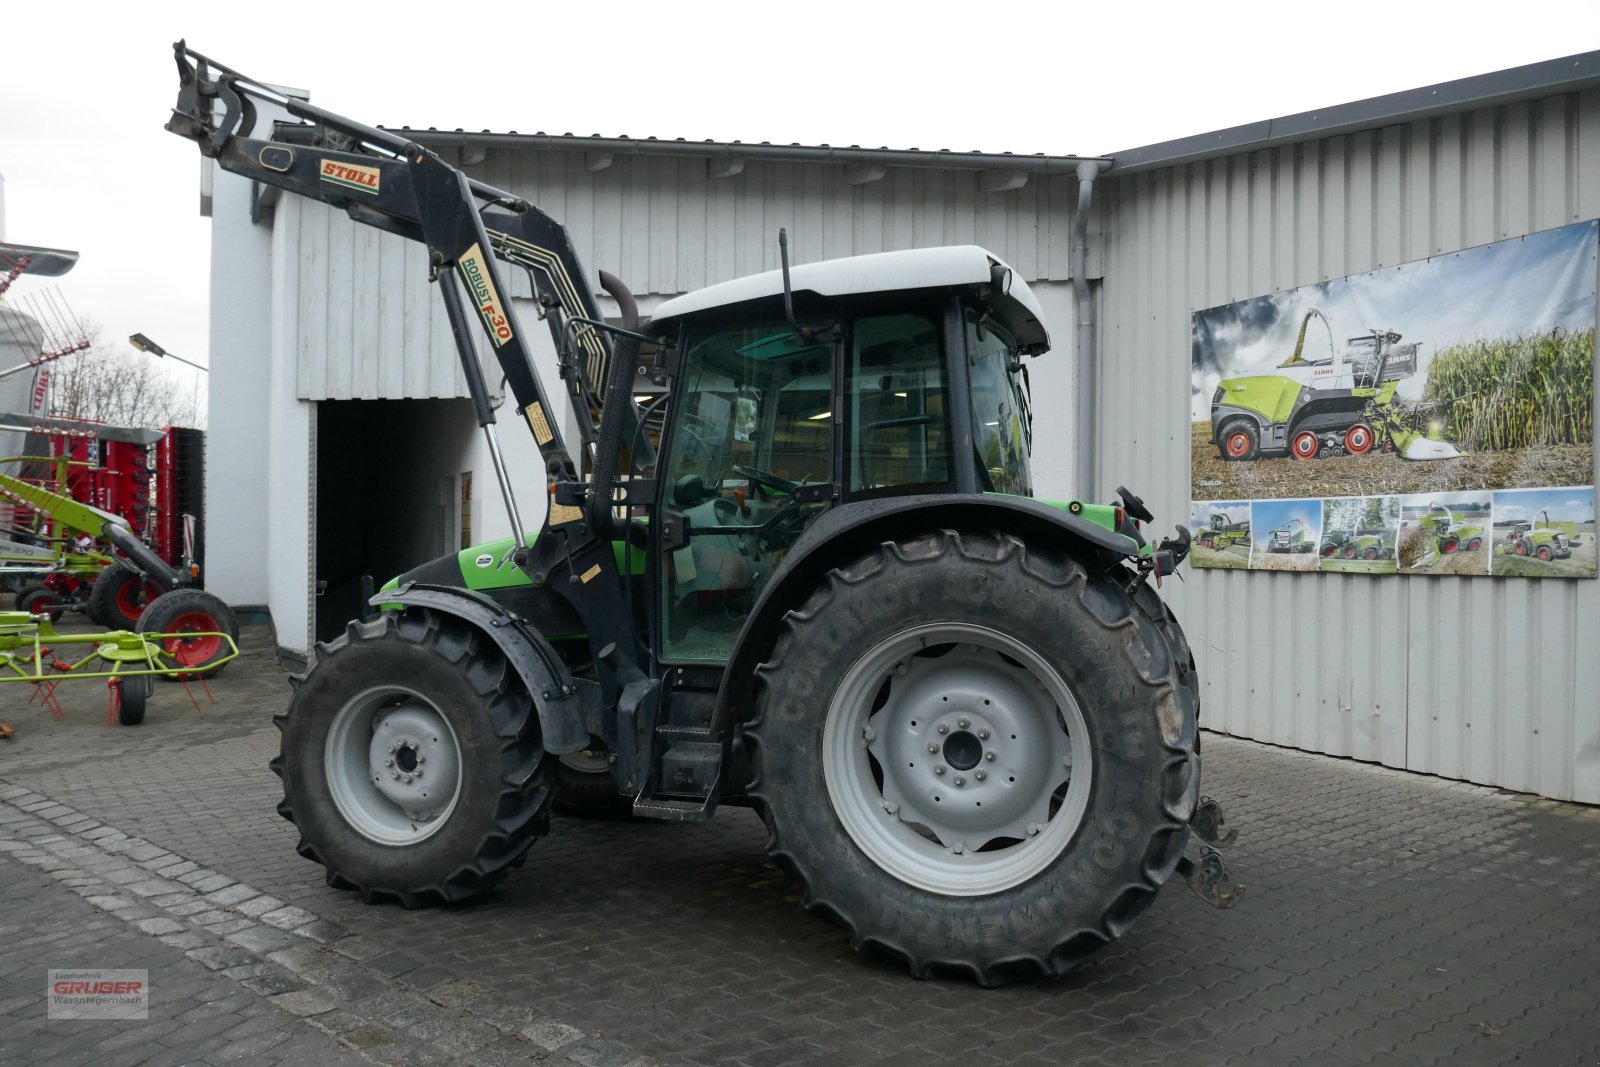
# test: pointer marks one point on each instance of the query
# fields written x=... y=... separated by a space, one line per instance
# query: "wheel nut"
x=983 y=735
x=1033 y=829
x=406 y=778
x=421 y=758
x=960 y=780
x=393 y=745
x=944 y=728
x=938 y=768
x=989 y=755
x=980 y=774
x=963 y=722
x=395 y=775
x=869 y=734
x=932 y=746
x=417 y=773
x=388 y=763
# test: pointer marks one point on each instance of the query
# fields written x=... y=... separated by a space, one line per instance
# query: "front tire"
x=392 y=697
x=1059 y=703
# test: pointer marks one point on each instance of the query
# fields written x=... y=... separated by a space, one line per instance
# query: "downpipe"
x=1087 y=358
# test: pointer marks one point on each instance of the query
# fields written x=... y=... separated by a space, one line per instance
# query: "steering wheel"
x=766 y=478
x=697 y=453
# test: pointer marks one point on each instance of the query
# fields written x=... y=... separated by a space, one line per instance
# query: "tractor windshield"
x=1002 y=424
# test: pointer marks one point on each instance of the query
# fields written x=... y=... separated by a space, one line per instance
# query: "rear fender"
x=846 y=532
x=562 y=724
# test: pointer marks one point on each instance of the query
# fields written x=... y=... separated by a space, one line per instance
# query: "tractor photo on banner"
x=1467 y=373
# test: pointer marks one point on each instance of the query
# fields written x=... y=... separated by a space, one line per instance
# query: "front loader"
x=965 y=715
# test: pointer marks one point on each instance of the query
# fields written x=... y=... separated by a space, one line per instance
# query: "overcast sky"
x=87 y=86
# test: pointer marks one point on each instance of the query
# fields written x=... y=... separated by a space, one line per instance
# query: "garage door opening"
x=394 y=489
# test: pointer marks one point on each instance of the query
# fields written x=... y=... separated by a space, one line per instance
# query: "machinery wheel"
x=120 y=595
x=134 y=694
x=42 y=601
x=411 y=761
x=1305 y=445
x=1349 y=551
x=192 y=611
x=1521 y=548
x=26 y=589
x=1449 y=545
x=1329 y=551
x=584 y=785
x=1006 y=755
x=1544 y=553
x=1240 y=440
x=1370 y=553
x=1359 y=439
x=1474 y=544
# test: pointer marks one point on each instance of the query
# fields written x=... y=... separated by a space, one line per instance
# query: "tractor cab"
x=899 y=374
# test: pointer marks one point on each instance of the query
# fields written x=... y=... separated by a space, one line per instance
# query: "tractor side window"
x=1001 y=425
x=899 y=425
x=753 y=424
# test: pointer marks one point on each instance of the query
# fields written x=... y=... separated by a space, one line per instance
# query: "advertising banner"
x=1435 y=417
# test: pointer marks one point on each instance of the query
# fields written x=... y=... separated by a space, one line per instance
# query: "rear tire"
x=1359 y=439
x=1305 y=445
x=1077 y=691
x=445 y=693
x=190 y=611
x=119 y=596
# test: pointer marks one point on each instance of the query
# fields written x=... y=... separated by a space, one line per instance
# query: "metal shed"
x=309 y=310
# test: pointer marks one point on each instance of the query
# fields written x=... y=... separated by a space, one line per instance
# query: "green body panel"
x=1271 y=396
x=507 y=575
x=1100 y=514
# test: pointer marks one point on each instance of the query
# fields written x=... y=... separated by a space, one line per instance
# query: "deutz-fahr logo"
x=351 y=175
x=476 y=275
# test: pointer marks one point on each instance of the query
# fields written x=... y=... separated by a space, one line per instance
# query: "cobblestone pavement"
x=1390 y=918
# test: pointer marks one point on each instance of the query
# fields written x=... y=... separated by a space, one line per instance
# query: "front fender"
x=843 y=533
x=562 y=724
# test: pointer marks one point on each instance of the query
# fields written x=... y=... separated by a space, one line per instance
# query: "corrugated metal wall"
x=1490 y=680
x=371 y=327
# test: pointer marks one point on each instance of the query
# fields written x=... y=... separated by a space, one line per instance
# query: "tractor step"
x=673 y=810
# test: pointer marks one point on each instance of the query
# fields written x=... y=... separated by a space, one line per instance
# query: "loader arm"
x=387 y=181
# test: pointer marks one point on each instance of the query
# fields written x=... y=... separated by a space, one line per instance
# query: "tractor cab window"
x=1002 y=422
x=899 y=428
x=753 y=425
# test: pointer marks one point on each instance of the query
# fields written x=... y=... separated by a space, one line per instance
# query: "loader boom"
x=387 y=181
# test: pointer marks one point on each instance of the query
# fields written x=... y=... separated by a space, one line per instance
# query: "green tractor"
x=1450 y=534
x=812 y=579
x=1293 y=537
x=1220 y=534
x=1358 y=544
x=1341 y=405
x=1541 y=539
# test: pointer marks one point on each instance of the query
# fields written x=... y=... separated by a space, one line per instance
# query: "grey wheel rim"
x=393 y=765
x=957 y=759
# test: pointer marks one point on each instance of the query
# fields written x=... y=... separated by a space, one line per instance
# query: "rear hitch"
x=1208 y=876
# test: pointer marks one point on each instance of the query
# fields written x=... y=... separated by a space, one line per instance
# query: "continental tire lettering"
x=475 y=272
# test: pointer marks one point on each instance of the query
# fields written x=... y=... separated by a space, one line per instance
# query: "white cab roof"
x=880 y=272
